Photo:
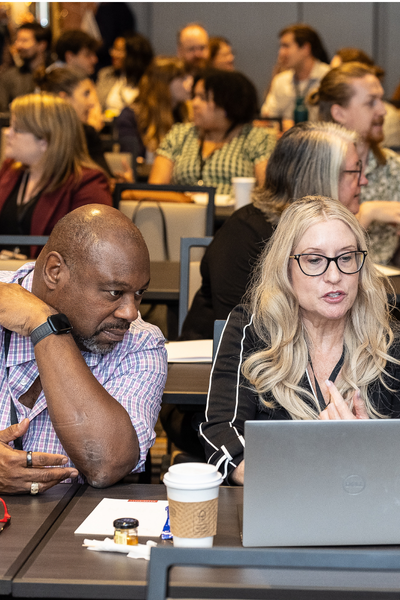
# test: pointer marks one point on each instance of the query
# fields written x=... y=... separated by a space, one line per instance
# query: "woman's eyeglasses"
x=357 y=170
x=6 y=518
x=316 y=264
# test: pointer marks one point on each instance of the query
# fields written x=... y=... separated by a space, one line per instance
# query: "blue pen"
x=166 y=532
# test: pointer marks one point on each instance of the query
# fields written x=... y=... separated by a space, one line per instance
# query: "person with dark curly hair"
x=222 y=142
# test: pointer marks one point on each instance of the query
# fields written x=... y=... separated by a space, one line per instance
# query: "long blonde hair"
x=53 y=119
x=279 y=367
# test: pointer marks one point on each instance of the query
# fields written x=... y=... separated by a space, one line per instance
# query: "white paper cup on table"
x=192 y=490
x=242 y=188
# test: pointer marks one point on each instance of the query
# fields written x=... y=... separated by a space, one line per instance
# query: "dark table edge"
x=91 y=590
x=6 y=582
x=55 y=588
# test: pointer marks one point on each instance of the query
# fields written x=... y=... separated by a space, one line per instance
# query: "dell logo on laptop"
x=353 y=484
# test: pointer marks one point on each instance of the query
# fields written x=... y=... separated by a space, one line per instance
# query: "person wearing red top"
x=48 y=172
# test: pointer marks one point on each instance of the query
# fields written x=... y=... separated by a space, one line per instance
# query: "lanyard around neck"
x=332 y=377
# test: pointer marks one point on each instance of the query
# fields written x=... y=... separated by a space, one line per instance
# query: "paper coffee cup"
x=192 y=490
x=242 y=188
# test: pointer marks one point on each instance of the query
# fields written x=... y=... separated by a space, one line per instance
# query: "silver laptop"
x=321 y=483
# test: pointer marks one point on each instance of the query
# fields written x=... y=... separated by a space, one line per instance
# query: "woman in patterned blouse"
x=222 y=143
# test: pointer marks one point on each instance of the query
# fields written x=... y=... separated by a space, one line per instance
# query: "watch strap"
x=56 y=324
x=39 y=333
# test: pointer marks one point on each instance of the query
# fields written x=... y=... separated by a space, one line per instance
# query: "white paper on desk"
x=151 y=515
x=190 y=352
x=388 y=271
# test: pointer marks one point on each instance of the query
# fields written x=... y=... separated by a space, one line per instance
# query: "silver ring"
x=29 y=459
x=34 y=488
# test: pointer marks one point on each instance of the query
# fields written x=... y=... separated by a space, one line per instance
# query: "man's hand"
x=20 y=310
x=16 y=477
x=338 y=409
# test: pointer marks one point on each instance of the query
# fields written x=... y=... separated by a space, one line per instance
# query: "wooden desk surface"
x=61 y=568
x=31 y=518
x=187 y=383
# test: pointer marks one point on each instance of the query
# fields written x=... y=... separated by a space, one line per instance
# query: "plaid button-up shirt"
x=134 y=373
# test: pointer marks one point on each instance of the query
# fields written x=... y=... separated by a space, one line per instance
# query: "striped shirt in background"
x=236 y=158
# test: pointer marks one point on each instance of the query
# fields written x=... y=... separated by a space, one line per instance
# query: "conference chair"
x=306 y=561
x=16 y=241
x=219 y=325
x=162 y=223
x=190 y=278
x=164 y=558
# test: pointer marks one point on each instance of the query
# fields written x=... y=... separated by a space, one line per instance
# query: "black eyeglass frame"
x=329 y=259
x=359 y=171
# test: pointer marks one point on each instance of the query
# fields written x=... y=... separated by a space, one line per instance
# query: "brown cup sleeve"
x=193 y=519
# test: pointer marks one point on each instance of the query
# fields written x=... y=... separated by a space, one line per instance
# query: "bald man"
x=193 y=47
x=81 y=374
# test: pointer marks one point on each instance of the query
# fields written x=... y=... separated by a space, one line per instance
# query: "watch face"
x=59 y=323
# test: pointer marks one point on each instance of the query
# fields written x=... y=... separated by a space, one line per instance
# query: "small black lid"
x=127 y=523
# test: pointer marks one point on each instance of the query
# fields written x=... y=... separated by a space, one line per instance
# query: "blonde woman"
x=48 y=171
x=315 y=342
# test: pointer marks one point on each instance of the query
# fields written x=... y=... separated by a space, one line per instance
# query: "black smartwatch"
x=56 y=324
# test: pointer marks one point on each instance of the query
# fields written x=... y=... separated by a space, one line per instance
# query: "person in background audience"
x=32 y=46
x=117 y=86
x=221 y=54
x=48 y=172
x=76 y=49
x=391 y=124
x=303 y=58
x=353 y=96
x=114 y=20
x=74 y=86
x=193 y=47
x=310 y=158
x=164 y=91
x=222 y=142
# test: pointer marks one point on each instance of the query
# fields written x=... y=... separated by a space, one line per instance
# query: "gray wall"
x=252 y=28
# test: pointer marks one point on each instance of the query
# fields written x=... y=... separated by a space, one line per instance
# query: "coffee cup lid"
x=193 y=475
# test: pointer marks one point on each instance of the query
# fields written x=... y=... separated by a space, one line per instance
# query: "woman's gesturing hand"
x=338 y=409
